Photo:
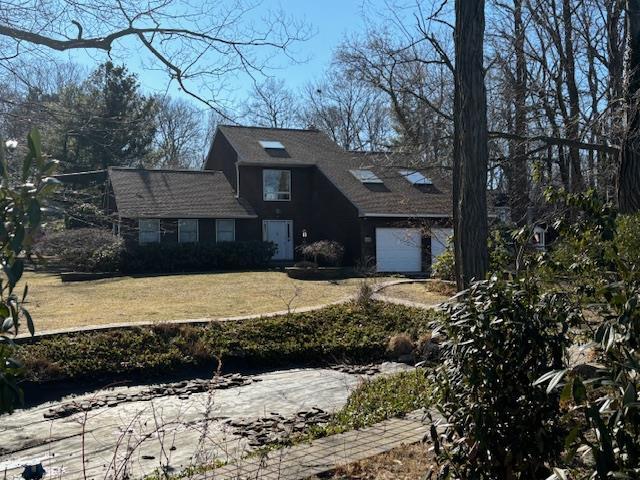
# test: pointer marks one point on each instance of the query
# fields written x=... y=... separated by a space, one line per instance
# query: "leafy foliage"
x=324 y=252
x=604 y=407
x=21 y=202
x=501 y=337
x=502 y=254
x=84 y=249
x=194 y=257
x=112 y=122
x=329 y=335
x=379 y=399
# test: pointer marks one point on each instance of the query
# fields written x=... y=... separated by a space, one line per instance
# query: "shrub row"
x=98 y=250
x=330 y=335
x=193 y=257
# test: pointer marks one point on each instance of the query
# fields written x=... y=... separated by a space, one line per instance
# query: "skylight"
x=271 y=145
x=415 y=177
x=366 y=176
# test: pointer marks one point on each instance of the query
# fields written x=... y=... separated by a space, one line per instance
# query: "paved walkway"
x=325 y=454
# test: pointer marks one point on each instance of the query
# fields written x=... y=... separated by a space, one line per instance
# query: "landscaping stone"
x=369 y=369
x=183 y=390
x=275 y=428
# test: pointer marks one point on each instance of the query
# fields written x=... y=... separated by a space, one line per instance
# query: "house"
x=291 y=187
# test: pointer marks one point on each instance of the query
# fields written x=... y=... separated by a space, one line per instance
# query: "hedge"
x=194 y=257
x=338 y=333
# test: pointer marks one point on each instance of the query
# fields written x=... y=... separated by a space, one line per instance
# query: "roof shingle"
x=175 y=194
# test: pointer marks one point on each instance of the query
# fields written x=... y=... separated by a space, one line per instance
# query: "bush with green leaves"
x=603 y=407
x=22 y=198
x=502 y=254
x=337 y=333
x=444 y=266
x=197 y=257
x=84 y=249
x=501 y=336
x=326 y=253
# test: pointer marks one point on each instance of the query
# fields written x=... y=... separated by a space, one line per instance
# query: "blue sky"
x=330 y=21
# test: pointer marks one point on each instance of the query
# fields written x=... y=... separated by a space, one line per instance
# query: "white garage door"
x=439 y=241
x=398 y=250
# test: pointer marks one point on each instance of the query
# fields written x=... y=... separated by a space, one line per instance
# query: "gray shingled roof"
x=311 y=147
x=175 y=194
x=304 y=147
x=396 y=196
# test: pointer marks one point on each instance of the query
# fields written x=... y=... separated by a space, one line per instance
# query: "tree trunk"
x=519 y=175
x=471 y=153
x=573 y=126
x=629 y=176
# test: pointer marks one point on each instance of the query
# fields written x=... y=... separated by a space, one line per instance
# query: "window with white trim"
x=148 y=230
x=276 y=185
x=188 y=230
x=225 y=230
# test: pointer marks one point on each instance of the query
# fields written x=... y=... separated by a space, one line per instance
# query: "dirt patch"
x=409 y=462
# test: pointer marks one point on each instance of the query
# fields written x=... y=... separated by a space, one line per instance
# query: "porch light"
x=304 y=233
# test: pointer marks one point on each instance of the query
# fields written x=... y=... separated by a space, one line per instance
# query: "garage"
x=398 y=250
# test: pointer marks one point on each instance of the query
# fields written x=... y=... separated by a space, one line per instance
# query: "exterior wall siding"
x=297 y=209
x=223 y=157
x=246 y=230
x=334 y=218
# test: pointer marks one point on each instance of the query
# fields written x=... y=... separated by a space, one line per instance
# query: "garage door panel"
x=398 y=250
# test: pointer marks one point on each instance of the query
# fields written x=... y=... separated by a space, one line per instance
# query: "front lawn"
x=55 y=305
x=431 y=293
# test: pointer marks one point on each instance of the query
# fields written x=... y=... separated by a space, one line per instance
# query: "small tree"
x=21 y=203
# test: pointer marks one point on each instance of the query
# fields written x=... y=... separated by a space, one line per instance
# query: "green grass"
x=337 y=333
x=379 y=399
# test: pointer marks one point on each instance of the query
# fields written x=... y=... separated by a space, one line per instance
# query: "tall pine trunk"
x=629 y=176
x=471 y=153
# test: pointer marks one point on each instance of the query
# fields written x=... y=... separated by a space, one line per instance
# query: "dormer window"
x=415 y=178
x=365 y=176
x=274 y=148
x=276 y=185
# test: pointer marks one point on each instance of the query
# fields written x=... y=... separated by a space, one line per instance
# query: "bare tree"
x=180 y=134
x=198 y=45
x=272 y=104
x=471 y=152
x=351 y=113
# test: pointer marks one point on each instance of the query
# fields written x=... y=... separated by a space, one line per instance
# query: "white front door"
x=279 y=232
x=398 y=250
x=439 y=240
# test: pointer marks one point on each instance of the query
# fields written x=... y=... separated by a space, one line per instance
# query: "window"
x=187 y=230
x=366 y=176
x=268 y=144
x=149 y=230
x=274 y=149
x=225 y=230
x=276 y=185
x=415 y=177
